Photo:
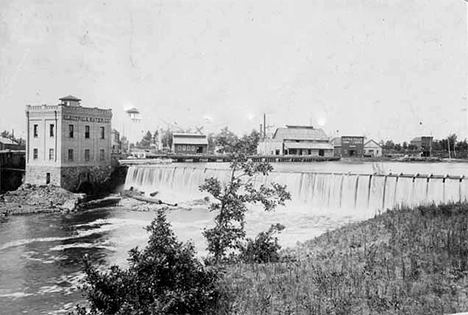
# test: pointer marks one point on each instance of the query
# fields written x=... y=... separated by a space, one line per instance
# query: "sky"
x=386 y=69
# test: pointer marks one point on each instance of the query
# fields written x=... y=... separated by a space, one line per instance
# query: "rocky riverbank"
x=28 y=199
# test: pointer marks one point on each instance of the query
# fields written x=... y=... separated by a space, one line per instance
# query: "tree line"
x=224 y=142
x=450 y=143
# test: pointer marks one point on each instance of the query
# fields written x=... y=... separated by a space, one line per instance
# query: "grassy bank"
x=405 y=261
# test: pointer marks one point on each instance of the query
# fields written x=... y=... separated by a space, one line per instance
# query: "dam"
x=344 y=192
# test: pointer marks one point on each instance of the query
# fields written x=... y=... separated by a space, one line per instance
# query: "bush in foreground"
x=264 y=248
x=163 y=278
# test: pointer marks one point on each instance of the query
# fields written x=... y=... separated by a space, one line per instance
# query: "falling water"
x=310 y=190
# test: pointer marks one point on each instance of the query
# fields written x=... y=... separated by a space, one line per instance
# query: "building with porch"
x=297 y=140
x=68 y=145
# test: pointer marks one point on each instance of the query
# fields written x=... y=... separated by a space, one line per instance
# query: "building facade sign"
x=86 y=119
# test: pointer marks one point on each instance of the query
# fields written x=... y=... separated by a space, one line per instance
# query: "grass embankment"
x=406 y=261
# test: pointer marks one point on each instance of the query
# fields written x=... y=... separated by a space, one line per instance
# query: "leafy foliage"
x=226 y=141
x=166 y=138
x=264 y=248
x=232 y=198
x=229 y=143
x=163 y=278
x=146 y=141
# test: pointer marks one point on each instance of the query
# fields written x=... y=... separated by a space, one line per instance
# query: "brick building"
x=352 y=146
x=68 y=145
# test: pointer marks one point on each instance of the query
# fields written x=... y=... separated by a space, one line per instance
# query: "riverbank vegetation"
x=405 y=261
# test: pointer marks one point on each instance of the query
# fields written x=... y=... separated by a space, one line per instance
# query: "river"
x=40 y=255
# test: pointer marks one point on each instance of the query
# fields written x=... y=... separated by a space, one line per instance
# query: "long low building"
x=297 y=140
x=189 y=143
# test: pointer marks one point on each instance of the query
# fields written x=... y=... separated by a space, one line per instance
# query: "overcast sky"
x=387 y=69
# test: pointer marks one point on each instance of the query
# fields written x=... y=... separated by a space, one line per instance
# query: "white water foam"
x=15 y=295
x=103 y=225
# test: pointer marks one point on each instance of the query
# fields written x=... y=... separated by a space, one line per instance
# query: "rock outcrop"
x=35 y=199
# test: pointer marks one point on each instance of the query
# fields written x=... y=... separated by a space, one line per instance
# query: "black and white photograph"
x=242 y=157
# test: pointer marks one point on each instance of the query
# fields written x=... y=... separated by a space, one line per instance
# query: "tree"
x=405 y=145
x=163 y=278
x=452 y=140
x=249 y=143
x=389 y=145
x=462 y=146
x=211 y=142
x=146 y=140
x=166 y=138
x=226 y=141
x=231 y=204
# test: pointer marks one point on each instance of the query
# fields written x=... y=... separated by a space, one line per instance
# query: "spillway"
x=312 y=191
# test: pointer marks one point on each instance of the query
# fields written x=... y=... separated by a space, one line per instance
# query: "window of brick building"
x=70 y=154
x=71 y=130
x=86 y=133
x=86 y=155
x=51 y=130
x=51 y=154
x=35 y=153
x=102 y=132
x=102 y=155
x=36 y=131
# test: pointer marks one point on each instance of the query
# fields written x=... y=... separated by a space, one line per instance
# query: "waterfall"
x=346 y=193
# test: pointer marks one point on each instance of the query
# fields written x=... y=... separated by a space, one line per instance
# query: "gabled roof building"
x=189 y=143
x=372 y=148
x=297 y=140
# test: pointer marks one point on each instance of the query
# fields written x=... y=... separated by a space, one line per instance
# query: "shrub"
x=163 y=278
x=264 y=248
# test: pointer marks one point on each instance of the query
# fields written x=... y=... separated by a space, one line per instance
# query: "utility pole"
x=448 y=146
x=265 y=126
